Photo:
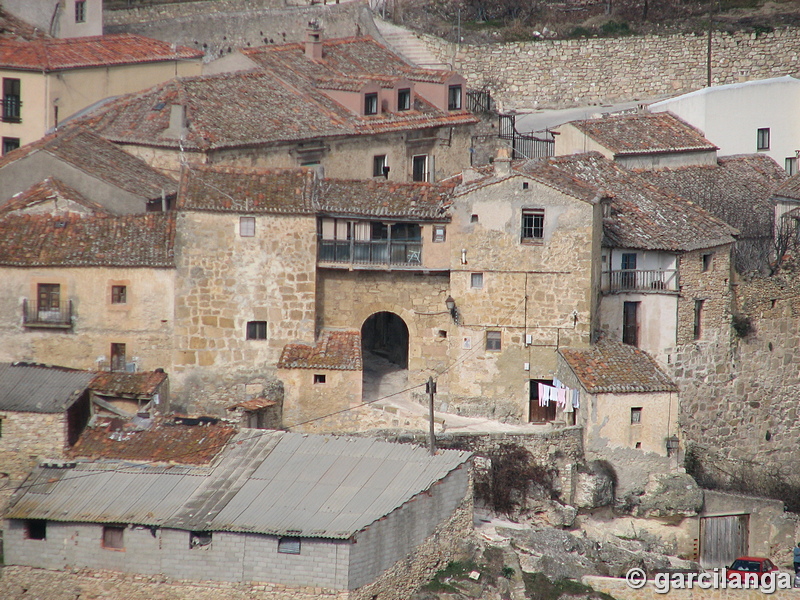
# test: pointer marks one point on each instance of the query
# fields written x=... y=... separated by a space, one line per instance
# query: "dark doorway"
x=540 y=414
x=630 y=323
x=386 y=335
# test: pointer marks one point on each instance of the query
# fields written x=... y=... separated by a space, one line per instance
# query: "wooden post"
x=430 y=387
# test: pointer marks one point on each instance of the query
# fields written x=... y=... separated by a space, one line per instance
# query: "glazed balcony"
x=370 y=253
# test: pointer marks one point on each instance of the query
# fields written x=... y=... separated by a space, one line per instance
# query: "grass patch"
x=453 y=570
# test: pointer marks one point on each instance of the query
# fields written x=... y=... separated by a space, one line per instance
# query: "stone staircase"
x=409 y=45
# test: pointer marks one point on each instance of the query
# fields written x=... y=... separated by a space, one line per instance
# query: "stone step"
x=408 y=45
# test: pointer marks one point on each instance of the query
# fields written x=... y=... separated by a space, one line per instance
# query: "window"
x=404 y=99
x=379 y=168
x=247 y=226
x=119 y=294
x=49 y=297
x=476 y=281
x=35 y=529
x=708 y=261
x=532 y=225
x=790 y=164
x=11 y=100
x=80 y=11
x=473 y=219
x=256 y=330
x=494 y=341
x=10 y=144
x=113 y=537
x=117 y=357
x=636 y=415
x=371 y=104
x=698 y=319
x=289 y=545
x=439 y=233
x=320 y=378
x=524 y=185
x=454 y=97
x=419 y=167
x=630 y=323
x=762 y=139
x=199 y=539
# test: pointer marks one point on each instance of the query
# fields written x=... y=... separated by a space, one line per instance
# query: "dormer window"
x=454 y=97
x=371 y=104
x=404 y=99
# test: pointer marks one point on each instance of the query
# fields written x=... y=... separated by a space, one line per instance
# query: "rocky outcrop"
x=669 y=496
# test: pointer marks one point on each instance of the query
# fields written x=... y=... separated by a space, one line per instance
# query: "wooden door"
x=723 y=539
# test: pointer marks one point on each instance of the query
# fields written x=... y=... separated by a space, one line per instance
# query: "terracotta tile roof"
x=96 y=51
x=642 y=215
x=12 y=28
x=144 y=240
x=738 y=190
x=644 y=133
x=340 y=350
x=789 y=188
x=39 y=196
x=163 y=442
x=254 y=404
x=614 y=367
x=280 y=103
x=100 y=158
x=239 y=189
x=419 y=201
x=144 y=383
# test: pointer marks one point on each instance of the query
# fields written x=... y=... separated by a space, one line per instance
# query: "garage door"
x=723 y=539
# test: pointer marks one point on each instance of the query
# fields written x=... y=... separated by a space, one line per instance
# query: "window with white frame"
x=247 y=226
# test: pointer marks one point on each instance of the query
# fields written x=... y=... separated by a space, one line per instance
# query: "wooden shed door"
x=723 y=539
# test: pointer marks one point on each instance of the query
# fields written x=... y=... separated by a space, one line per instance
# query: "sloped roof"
x=617 y=368
x=144 y=240
x=280 y=103
x=163 y=442
x=642 y=215
x=419 y=201
x=51 y=54
x=644 y=133
x=270 y=482
x=143 y=383
x=13 y=28
x=40 y=388
x=333 y=350
x=55 y=191
x=790 y=188
x=737 y=190
x=99 y=158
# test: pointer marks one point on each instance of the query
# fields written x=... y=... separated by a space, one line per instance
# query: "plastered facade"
x=307 y=400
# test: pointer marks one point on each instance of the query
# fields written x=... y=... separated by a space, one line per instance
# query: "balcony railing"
x=58 y=318
x=12 y=107
x=400 y=253
x=636 y=280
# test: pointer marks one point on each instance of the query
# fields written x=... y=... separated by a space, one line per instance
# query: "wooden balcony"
x=49 y=317
x=640 y=280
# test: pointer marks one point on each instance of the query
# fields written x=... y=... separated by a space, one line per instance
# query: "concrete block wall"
x=321 y=563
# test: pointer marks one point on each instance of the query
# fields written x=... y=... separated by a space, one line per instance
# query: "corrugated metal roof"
x=264 y=482
x=39 y=388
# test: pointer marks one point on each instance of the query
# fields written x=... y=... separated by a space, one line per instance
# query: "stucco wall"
x=58 y=18
x=32 y=94
x=306 y=400
x=657 y=314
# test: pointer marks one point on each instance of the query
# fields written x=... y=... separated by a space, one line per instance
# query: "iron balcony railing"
x=406 y=253
x=12 y=109
x=639 y=280
x=36 y=316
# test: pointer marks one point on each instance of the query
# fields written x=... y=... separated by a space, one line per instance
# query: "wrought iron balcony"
x=640 y=280
x=38 y=316
x=394 y=253
x=12 y=109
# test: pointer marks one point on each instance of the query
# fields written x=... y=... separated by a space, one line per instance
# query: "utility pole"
x=430 y=387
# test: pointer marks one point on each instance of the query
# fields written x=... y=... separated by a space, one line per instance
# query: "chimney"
x=502 y=164
x=314 y=41
x=177 y=121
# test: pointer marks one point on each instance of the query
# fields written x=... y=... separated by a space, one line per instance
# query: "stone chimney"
x=177 y=121
x=314 y=41
x=502 y=163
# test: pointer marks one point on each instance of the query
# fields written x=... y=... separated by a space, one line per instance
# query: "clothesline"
x=563 y=396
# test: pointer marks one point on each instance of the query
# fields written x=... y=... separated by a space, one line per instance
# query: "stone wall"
x=561 y=73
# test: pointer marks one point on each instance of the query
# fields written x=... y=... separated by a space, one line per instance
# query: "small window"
x=439 y=233
x=35 y=529
x=708 y=262
x=199 y=539
x=419 y=167
x=113 y=537
x=256 y=330
x=379 y=168
x=289 y=545
x=80 y=11
x=524 y=185
x=118 y=357
x=10 y=144
x=454 y=97
x=473 y=219
x=404 y=99
x=441 y=334
x=494 y=341
x=476 y=281
x=532 y=225
x=636 y=415
x=698 y=319
x=762 y=139
x=319 y=378
x=119 y=294
x=790 y=164
x=247 y=226
x=371 y=104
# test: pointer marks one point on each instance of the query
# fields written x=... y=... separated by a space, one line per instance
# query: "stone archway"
x=384 y=348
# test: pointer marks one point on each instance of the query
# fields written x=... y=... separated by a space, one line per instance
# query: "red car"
x=750 y=568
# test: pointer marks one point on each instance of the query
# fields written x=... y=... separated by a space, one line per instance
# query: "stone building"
x=349 y=106
x=47 y=80
x=358 y=517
